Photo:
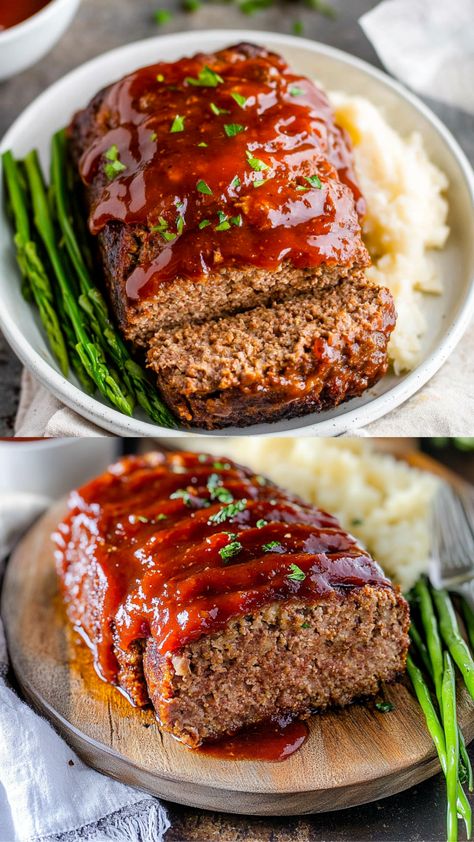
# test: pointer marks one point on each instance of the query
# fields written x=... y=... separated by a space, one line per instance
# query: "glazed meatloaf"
x=221 y=599
x=217 y=185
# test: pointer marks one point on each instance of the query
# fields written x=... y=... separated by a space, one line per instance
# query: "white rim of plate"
x=111 y=419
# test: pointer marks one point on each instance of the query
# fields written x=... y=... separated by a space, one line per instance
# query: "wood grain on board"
x=352 y=756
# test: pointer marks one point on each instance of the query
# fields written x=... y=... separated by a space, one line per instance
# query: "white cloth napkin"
x=47 y=794
x=428 y=45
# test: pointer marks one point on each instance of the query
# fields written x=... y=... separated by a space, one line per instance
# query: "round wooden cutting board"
x=351 y=756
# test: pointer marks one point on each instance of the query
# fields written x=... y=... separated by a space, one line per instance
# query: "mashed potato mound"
x=406 y=217
x=379 y=499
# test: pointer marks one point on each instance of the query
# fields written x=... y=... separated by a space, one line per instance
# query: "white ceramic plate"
x=448 y=316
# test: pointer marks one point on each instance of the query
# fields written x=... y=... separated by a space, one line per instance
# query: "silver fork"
x=452 y=564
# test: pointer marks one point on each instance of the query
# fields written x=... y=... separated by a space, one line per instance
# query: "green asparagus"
x=30 y=263
x=451 y=635
x=452 y=745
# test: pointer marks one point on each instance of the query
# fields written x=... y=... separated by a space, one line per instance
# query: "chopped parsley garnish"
x=162 y=516
x=230 y=550
x=295 y=91
x=261 y=480
x=240 y=100
x=204 y=223
x=305 y=626
x=357 y=521
x=314 y=180
x=223 y=226
x=162 y=228
x=235 y=182
x=138 y=518
x=202 y=187
x=237 y=220
x=256 y=163
x=259 y=182
x=181 y=494
x=222 y=466
x=206 y=78
x=261 y=523
x=216 y=110
x=202 y=143
x=113 y=166
x=153 y=136
x=217 y=491
x=228 y=512
x=180 y=224
x=296 y=574
x=273 y=547
x=177 y=124
x=232 y=129
x=162 y=16
x=160 y=77
x=384 y=707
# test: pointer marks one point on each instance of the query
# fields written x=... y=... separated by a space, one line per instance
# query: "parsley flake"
x=181 y=494
x=228 y=512
x=202 y=143
x=230 y=550
x=217 y=491
x=259 y=182
x=177 y=124
x=297 y=575
x=162 y=516
x=202 y=187
x=207 y=78
x=272 y=547
x=223 y=226
x=162 y=16
x=113 y=166
x=384 y=707
x=204 y=223
x=216 y=110
x=153 y=136
x=235 y=182
x=233 y=129
x=239 y=99
x=237 y=220
x=261 y=523
x=222 y=466
x=162 y=228
x=305 y=626
x=295 y=91
x=314 y=180
x=256 y=163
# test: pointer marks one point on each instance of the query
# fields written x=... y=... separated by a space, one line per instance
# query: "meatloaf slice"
x=221 y=598
x=294 y=357
x=215 y=184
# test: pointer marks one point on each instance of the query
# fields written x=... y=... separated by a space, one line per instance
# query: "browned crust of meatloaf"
x=292 y=358
x=287 y=658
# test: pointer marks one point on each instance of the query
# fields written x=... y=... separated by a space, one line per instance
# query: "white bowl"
x=24 y=44
x=448 y=316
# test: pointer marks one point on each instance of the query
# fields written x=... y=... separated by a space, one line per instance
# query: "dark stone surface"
x=102 y=25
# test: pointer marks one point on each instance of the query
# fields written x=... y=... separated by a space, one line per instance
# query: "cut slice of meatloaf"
x=215 y=184
x=286 y=360
x=222 y=599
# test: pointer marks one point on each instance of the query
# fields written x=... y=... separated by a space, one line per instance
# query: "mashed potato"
x=406 y=217
x=381 y=500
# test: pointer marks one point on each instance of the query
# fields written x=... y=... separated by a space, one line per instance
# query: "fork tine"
x=453 y=535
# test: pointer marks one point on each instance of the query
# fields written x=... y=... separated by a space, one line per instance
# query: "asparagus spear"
x=468 y=615
x=30 y=263
x=91 y=299
x=457 y=646
x=90 y=354
x=452 y=745
x=437 y=735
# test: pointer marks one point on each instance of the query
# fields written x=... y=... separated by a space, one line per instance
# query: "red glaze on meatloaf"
x=221 y=598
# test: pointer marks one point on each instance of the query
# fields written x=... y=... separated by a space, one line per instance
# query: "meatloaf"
x=220 y=598
x=217 y=185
